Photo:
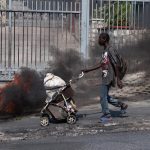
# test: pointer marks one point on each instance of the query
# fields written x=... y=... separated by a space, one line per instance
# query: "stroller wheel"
x=71 y=119
x=44 y=121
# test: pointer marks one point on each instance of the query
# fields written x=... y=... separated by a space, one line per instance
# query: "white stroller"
x=58 y=92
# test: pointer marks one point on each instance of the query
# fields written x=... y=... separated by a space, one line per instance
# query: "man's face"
x=101 y=41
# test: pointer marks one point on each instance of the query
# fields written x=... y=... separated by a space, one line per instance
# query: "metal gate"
x=31 y=31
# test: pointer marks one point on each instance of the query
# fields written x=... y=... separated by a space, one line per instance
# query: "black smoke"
x=65 y=64
x=26 y=93
x=138 y=55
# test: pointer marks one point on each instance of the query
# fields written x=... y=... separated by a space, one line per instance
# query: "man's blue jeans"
x=105 y=99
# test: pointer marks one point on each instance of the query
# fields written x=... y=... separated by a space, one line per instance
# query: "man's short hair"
x=104 y=36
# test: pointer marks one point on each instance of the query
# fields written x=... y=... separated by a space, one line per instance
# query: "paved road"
x=107 y=141
x=87 y=134
x=29 y=127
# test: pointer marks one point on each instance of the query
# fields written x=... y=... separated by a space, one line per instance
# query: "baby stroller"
x=59 y=97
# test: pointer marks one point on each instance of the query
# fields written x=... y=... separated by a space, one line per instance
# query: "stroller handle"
x=79 y=77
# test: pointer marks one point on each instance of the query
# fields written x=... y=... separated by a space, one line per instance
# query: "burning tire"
x=71 y=119
x=44 y=120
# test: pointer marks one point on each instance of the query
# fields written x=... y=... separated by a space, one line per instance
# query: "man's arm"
x=97 y=66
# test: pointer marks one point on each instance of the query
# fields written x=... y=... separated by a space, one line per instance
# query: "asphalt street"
x=106 y=141
x=28 y=127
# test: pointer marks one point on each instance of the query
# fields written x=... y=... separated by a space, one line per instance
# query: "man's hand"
x=119 y=83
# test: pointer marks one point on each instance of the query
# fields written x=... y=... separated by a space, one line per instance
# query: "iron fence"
x=32 y=31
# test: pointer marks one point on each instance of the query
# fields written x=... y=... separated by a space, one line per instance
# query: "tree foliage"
x=114 y=14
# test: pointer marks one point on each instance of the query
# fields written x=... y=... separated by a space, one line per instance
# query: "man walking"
x=110 y=76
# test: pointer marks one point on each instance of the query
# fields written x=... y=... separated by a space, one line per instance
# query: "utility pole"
x=85 y=29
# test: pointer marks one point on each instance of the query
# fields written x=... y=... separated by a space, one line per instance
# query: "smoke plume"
x=65 y=64
x=137 y=55
x=25 y=93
